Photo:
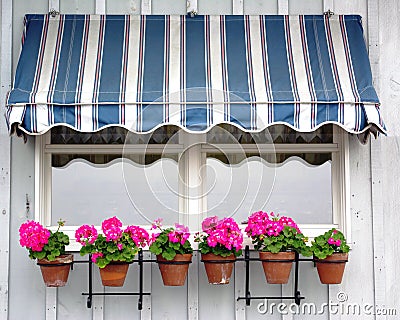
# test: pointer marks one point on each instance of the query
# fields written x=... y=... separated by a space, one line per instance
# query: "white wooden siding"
x=374 y=209
x=388 y=80
x=5 y=153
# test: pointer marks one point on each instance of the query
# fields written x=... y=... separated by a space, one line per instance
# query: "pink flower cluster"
x=33 y=235
x=179 y=234
x=95 y=256
x=86 y=234
x=112 y=228
x=334 y=242
x=153 y=237
x=156 y=224
x=260 y=223
x=209 y=223
x=225 y=232
x=139 y=236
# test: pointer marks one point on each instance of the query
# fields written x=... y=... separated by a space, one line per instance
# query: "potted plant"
x=113 y=250
x=277 y=239
x=173 y=251
x=49 y=249
x=219 y=243
x=330 y=252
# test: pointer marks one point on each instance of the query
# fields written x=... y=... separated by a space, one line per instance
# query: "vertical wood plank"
x=333 y=293
x=377 y=170
x=237 y=6
x=145 y=314
x=51 y=303
x=146 y=7
x=283 y=6
x=6 y=62
x=328 y=5
x=287 y=290
x=54 y=5
x=192 y=6
x=100 y=7
x=98 y=307
x=240 y=291
x=193 y=288
x=51 y=293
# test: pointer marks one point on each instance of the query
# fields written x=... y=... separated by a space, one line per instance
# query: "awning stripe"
x=141 y=72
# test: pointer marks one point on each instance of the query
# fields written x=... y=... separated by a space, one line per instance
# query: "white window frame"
x=191 y=150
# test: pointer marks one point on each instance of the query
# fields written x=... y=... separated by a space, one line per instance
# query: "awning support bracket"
x=329 y=13
x=54 y=13
x=192 y=13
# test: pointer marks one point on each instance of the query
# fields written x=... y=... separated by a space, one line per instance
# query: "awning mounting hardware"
x=54 y=13
x=27 y=206
x=192 y=13
x=329 y=13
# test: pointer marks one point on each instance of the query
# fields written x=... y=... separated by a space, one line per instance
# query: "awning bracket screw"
x=193 y=13
x=329 y=13
x=54 y=13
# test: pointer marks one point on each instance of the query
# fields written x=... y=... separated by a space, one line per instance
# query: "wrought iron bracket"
x=297 y=297
x=90 y=293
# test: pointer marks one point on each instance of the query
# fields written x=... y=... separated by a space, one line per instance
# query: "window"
x=84 y=178
x=281 y=170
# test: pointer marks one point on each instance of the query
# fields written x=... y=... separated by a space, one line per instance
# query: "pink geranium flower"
x=262 y=223
x=33 y=235
x=139 y=236
x=95 y=256
x=224 y=232
x=113 y=244
x=86 y=234
x=209 y=223
x=112 y=228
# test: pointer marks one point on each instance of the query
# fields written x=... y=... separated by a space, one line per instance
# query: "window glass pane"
x=293 y=188
x=84 y=193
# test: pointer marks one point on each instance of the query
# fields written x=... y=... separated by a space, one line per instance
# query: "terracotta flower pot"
x=114 y=274
x=218 y=272
x=55 y=273
x=331 y=269
x=174 y=272
x=277 y=272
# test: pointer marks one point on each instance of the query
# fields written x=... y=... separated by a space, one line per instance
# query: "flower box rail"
x=297 y=297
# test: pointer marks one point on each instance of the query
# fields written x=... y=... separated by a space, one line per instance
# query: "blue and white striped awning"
x=140 y=72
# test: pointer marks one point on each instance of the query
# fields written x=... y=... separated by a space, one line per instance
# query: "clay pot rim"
x=336 y=257
x=66 y=259
x=118 y=262
x=281 y=257
x=217 y=258
x=183 y=258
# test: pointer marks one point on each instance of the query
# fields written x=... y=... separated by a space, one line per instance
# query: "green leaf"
x=40 y=255
x=169 y=254
x=155 y=249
